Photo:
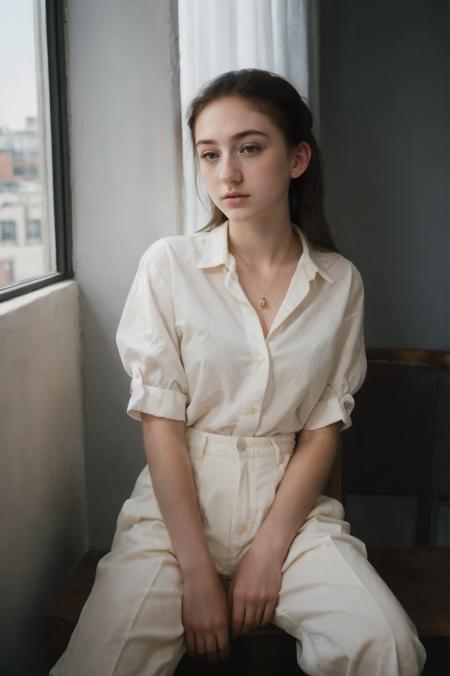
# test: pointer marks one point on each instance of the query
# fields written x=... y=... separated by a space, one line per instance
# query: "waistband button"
x=241 y=445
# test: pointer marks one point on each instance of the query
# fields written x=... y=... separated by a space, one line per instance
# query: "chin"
x=244 y=215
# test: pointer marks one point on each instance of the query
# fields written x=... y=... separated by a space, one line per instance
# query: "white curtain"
x=220 y=35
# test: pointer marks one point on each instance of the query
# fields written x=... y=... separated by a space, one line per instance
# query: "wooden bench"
x=426 y=598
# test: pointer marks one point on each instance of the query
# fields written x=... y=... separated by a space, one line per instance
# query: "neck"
x=264 y=246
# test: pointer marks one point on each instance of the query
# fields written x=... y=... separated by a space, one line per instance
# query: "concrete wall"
x=125 y=161
x=63 y=388
x=42 y=492
x=385 y=123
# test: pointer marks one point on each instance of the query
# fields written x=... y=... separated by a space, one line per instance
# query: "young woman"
x=244 y=343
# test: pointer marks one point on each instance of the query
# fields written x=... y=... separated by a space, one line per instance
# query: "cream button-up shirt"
x=194 y=347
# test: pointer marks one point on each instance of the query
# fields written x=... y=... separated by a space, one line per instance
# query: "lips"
x=231 y=195
x=235 y=200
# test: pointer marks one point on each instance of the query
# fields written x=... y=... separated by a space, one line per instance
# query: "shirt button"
x=260 y=357
x=241 y=528
x=252 y=409
x=241 y=445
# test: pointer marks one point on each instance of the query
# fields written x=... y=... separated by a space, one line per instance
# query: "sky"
x=17 y=63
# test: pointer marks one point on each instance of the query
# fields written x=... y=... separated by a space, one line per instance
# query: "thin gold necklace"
x=263 y=302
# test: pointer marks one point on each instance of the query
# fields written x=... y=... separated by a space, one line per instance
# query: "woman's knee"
x=410 y=652
x=358 y=648
x=389 y=647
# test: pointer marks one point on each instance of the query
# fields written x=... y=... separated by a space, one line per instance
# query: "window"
x=33 y=229
x=34 y=197
x=8 y=231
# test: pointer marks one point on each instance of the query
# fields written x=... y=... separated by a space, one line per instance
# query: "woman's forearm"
x=304 y=479
x=174 y=486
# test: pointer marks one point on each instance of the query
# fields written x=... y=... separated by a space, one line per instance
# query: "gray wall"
x=42 y=492
x=385 y=122
x=385 y=135
x=125 y=159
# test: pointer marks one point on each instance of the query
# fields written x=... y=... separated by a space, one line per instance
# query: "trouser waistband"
x=199 y=441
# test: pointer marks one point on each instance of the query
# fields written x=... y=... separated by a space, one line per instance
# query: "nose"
x=230 y=171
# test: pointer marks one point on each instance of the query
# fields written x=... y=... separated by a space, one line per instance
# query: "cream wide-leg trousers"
x=344 y=617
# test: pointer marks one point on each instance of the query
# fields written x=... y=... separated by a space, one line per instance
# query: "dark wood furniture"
x=399 y=434
x=396 y=447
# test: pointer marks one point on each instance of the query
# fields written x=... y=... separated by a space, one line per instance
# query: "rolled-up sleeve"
x=147 y=342
x=348 y=369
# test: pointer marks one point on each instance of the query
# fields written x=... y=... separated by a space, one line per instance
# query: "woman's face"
x=241 y=150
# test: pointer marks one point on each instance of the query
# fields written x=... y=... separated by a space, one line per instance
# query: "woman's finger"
x=212 y=654
x=237 y=618
x=200 y=647
x=259 y=615
x=189 y=639
x=223 y=643
x=268 y=614
x=249 y=619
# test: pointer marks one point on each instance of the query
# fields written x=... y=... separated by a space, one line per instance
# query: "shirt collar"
x=216 y=252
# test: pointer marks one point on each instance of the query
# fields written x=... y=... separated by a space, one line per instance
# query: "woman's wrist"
x=275 y=549
x=197 y=565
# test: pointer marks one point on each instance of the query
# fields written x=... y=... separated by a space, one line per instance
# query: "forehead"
x=220 y=119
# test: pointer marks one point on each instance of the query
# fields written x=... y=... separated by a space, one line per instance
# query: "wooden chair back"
x=398 y=433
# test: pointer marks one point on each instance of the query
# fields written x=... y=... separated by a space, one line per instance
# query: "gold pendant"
x=263 y=301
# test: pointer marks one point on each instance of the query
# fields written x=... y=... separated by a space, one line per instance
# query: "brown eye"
x=253 y=147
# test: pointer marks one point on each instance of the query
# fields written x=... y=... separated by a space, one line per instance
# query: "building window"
x=33 y=230
x=34 y=197
x=7 y=231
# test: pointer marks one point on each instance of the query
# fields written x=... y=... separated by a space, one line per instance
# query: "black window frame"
x=55 y=25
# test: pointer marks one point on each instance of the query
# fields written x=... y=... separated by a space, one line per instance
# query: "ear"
x=301 y=158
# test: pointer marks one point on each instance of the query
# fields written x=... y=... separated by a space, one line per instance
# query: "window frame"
x=60 y=156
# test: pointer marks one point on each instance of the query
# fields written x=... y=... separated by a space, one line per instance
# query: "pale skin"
x=259 y=229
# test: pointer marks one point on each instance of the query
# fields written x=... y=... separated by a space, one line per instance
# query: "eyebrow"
x=239 y=135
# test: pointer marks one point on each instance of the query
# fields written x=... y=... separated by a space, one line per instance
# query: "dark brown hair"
x=280 y=101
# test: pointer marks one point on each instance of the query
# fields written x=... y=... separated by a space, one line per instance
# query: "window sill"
x=11 y=305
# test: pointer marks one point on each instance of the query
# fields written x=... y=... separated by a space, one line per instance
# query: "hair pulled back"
x=274 y=96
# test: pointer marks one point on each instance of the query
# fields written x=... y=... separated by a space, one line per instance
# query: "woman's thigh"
x=345 y=617
x=131 y=624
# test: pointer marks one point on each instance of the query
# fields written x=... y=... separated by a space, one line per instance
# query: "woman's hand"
x=205 y=616
x=253 y=591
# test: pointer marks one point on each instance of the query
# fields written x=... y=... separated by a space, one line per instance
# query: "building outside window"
x=6 y=271
x=33 y=215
